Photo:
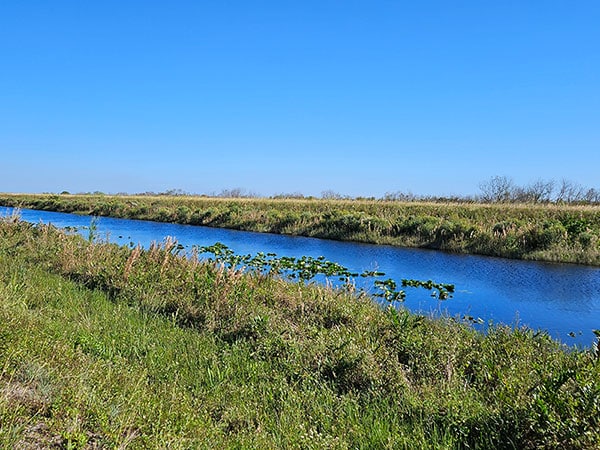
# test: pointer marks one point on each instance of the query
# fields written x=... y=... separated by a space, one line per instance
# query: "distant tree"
x=236 y=193
x=294 y=195
x=330 y=195
x=399 y=196
x=174 y=192
x=569 y=192
x=592 y=196
x=497 y=189
x=540 y=191
x=231 y=193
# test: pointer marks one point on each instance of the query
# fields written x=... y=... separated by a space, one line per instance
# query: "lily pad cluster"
x=307 y=268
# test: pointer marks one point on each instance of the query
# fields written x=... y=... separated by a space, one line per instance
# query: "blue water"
x=561 y=299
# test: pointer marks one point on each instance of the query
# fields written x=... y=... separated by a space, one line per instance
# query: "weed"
x=107 y=347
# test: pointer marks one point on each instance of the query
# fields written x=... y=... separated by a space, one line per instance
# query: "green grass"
x=103 y=346
x=563 y=233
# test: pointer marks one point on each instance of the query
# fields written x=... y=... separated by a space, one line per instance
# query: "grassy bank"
x=103 y=346
x=551 y=232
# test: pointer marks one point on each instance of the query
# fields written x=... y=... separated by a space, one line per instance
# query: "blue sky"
x=358 y=97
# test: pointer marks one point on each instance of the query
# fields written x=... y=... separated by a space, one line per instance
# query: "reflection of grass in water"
x=568 y=233
x=111 y=346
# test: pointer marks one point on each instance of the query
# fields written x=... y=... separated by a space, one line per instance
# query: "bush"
x=542 y=238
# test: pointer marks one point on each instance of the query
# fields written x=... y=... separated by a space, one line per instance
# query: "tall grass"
x=563 y=233
x=105 y=346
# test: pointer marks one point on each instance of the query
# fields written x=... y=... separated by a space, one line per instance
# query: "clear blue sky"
x=358 y=97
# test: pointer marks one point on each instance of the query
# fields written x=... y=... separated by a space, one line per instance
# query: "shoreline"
x=545 y=233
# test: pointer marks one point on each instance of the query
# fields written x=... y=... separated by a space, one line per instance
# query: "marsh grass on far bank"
x=106 y=346
x=546 y=232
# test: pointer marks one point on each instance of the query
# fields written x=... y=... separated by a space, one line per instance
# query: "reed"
x=110 y=347
x=548 y=232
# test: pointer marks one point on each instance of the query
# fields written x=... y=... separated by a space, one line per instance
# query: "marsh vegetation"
x=111 y=346
x=547 y=232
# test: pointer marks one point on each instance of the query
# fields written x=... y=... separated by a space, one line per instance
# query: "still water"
x=562 y=299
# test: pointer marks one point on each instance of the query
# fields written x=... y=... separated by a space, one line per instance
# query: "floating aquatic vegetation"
x=307 y=268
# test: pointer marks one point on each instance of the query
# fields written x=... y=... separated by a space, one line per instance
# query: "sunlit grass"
x=125 y=348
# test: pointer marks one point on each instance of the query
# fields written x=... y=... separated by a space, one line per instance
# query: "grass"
x=108 y=347
x=561 y=233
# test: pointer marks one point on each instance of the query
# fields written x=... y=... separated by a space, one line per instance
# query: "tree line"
x=502 y=189
x=497 y=189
